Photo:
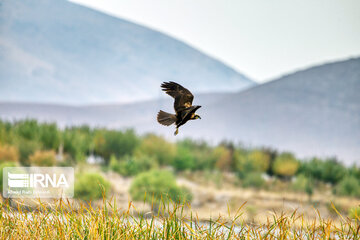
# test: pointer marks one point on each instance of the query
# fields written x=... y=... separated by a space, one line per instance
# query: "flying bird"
x=184 y=111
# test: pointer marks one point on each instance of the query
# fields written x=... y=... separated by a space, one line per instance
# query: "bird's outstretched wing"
x=183 y=97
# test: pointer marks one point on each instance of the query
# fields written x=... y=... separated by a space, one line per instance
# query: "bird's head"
x=197 y=116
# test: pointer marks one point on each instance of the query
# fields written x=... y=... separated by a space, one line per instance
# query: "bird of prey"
x=184 y=111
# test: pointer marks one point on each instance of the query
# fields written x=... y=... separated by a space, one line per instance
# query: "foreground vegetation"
x=171 y=221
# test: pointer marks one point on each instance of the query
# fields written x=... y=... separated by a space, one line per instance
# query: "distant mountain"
x=311 y=112
x=138 y=115
x=60 y=52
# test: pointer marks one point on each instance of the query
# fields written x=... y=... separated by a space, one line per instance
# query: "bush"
x=8 y=154
x=349 y=186
x=223 y=157
x=91 y=186
x=285 y=165
x=26 y=149
x=158 y=148
x=253 y=179
x=303 y=184
x=201 y=153
x=330 y=170
x=112 y=142
x=260 y=160
x=43 y=158
x=183 y=159
x=155 y=185
x=130 y=166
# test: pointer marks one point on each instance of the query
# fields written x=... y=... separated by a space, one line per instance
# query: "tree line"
x=29 y=142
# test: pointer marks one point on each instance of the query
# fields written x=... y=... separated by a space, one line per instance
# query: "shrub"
x=183 y=159
x=90 y=186
x=260 y=160
x=202 y=154
x=253 y=179
x=43 y=158
x=303 y=184
x=330 y=170
x=300 y=183
x=114 y=164
x=112 y=142
x=223 y=157
x=26 y=149
x=156 y=185
x=132 y=165
x=285 y=165
x=158 y=148
x=8 y=154
x=348 y=186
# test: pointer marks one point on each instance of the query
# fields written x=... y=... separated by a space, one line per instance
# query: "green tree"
x=49 y=136
x=111 y=142
x=158 y=148
x=348 y=186
x=27 y=129
x=202 y=154
x=260 y=160
x=184 y=159
x=26 y=149
x=285 y=165
x=77 y=142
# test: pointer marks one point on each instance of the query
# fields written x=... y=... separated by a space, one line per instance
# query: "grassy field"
x=69 y=220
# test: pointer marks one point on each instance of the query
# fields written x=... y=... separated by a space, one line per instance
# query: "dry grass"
x=63 y=220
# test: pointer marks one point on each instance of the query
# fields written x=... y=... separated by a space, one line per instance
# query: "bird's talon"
x=176 y=132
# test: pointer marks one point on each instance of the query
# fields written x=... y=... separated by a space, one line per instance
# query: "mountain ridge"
x=57 y=51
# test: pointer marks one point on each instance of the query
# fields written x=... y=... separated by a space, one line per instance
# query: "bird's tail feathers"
x=165 y=118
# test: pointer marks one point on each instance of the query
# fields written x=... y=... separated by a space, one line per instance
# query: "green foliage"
x=223 y=157
x=285 y=165
x=157 y=147
x=27 y=129
x=201 y=153
x=77 y=142
x=253 y=179
x=111 y=142
x=26 y=149
x=303 y=184
x=132 y=165
x=184 y=159
x=43 y=158
x=49 y=136
x=90 y=186
x=157 y=185
x=348 y=186
x=260 y=160
x=329 y=170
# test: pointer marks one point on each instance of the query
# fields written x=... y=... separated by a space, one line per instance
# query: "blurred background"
x=278 y=82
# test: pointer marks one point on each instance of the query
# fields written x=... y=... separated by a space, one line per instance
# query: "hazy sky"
x=262 y=39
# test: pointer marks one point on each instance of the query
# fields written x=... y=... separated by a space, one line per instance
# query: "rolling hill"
x=315 y=111
x=61 y=52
